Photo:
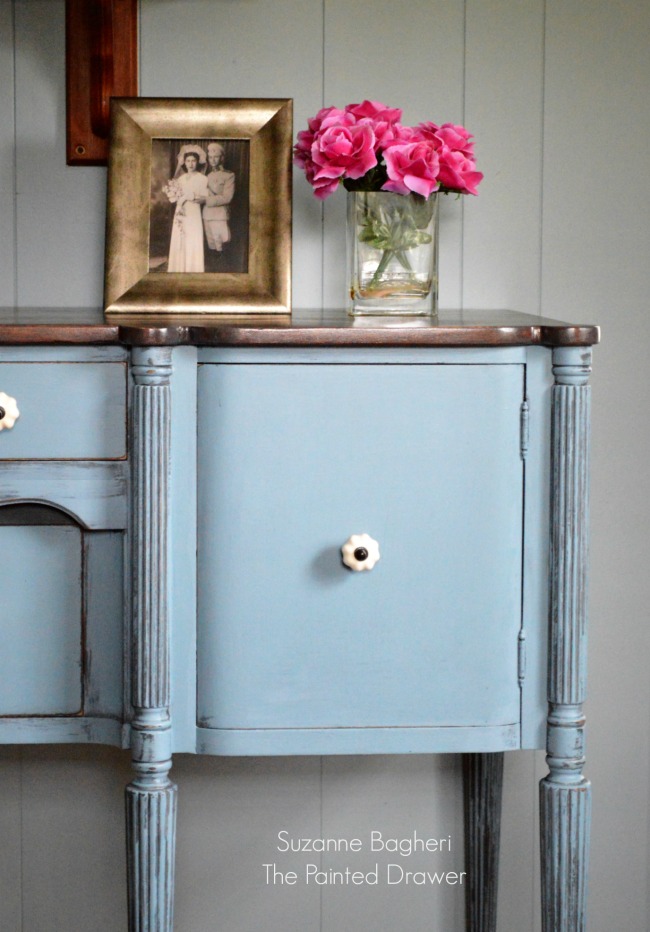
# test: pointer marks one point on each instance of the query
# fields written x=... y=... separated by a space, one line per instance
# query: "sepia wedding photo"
x=199 y=205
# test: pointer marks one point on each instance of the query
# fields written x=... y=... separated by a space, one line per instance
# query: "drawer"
x=68 y=410
x=293 y=459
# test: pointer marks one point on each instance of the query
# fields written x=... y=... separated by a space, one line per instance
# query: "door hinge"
x=521 y=657
x=524 y=428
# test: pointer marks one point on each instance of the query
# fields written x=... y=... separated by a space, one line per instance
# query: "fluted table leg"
x=151 y=797
x=483 y=785
x=565 y=794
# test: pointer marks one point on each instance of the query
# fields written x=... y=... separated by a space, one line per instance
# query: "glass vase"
x=392 y=245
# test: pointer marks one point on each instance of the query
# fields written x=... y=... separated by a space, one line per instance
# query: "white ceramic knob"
x=8 y=411
x=360 y=552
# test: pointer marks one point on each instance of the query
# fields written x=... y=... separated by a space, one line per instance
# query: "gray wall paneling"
x=59 y=210
x=230 y=811
x=414 y=62
x=596 y=244
x=217 y=48
x=504 y=83
x=7 y=158
x=11 y=848
x=395 y=796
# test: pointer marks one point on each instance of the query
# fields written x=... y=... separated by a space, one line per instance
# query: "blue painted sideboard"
x=175 y=497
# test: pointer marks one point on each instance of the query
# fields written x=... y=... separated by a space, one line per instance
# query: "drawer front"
x=293 y=459
x=67 y=410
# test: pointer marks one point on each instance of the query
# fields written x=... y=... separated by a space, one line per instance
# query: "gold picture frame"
x=163 y=254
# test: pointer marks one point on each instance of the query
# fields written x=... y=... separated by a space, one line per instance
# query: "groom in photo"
x=216 y=211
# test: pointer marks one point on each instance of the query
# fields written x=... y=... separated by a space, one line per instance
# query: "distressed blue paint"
x=67 y=411
x=151 y=797
x=94 y=494
x=264 y=742
x=539 y=380
x=365 y=355
x=40 y=621
x=104 y=642
x=292 y=461
x=61 y=353
x=63 y=730
x=182 y=547
x=565 y=794
x=298 y=448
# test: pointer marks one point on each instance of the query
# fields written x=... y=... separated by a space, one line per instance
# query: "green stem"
x=381 y=268
x=402 y=258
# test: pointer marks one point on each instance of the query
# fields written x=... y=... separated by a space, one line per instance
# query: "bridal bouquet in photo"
x=174 y=191
x=392 y=173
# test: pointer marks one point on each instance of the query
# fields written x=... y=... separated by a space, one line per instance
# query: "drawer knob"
x=8 y=411
x=360 y=552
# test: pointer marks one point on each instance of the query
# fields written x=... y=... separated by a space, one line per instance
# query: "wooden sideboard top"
x=301 y=328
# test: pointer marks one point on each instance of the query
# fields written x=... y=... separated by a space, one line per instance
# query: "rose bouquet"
x=365 y=148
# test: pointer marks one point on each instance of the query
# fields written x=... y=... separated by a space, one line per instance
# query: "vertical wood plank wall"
x=556 y=95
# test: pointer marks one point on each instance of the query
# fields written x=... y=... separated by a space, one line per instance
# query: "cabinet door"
x=293 y=459
x=41 y=621
x=61 y=619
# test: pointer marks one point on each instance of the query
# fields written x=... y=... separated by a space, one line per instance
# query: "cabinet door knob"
x=8 y=411
x=360 y=552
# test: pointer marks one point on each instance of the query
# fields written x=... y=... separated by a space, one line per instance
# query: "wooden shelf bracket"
x=101 y=62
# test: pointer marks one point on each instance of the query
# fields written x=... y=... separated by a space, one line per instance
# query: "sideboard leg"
x=565 y=794
x=151 y=838
x=483 y=785
x=151 y=797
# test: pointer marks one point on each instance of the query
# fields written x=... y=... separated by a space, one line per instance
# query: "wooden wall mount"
x=101 y=62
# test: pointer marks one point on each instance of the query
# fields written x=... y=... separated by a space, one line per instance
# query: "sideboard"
x=180 y=491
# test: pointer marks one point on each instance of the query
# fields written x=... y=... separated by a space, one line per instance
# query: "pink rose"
x=458 y=173
x=323 y=187
x=302 y=152
x=456 y=138
x=384 y=120
x=329 y=116
x=344 y=151
x=413 y=167
x=302 y=149
x=388 y=133
x=448 y=135
x=373 y=110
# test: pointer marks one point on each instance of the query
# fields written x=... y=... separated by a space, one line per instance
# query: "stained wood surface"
x=101 y=62
x=330 y=327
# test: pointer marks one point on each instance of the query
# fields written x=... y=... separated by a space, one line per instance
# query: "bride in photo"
x=188 y=190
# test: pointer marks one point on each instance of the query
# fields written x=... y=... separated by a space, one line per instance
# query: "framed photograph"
x=199 y=207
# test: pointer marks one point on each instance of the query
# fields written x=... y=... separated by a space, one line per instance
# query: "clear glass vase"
x=392 y=245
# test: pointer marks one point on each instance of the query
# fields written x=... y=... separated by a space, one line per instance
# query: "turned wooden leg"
x=565 y=794
x=483 y=785
x=151 y=797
